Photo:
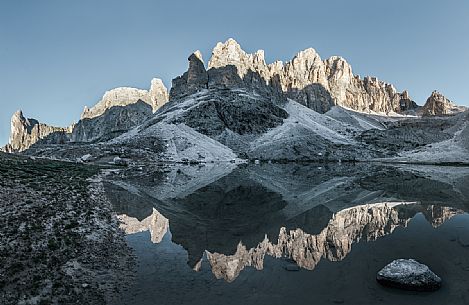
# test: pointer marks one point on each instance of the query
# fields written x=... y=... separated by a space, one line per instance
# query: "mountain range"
x=240 y=107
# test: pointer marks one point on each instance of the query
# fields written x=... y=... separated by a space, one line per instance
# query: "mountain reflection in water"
x=365 y=222
x=238 y=215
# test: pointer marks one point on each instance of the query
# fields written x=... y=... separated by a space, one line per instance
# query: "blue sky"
x=57 y=56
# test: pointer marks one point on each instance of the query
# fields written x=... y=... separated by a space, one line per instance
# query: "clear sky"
x=57 y=56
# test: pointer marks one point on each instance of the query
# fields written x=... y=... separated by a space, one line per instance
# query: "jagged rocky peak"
x=123 y=96
x=306 y=68
x=230 y=53
x=195 y=79
x=227 y=53
x=305 y=62
x=438 y=104
x=316 y=83
x=27 y=131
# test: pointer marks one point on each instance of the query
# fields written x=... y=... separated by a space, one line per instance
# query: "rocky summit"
x=239 y=107
x=316 y=83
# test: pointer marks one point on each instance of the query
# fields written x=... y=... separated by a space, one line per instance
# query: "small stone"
x=120 y=161
x=86 y=157
x=408 y=274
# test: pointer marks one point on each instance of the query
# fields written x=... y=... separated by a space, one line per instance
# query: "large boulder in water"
x=408 y=274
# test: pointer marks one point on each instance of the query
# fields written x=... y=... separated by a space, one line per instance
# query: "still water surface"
x=291 y=233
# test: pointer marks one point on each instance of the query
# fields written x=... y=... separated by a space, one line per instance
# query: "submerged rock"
x=409 y=274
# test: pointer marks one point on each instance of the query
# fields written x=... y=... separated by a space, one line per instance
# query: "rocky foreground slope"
x=59 y=243
x=307 y=109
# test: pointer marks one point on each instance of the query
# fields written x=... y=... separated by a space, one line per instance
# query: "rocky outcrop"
x=334 y=242
x=111 y=123
x=438 y=104
x=123 y=96
x=118 y=111
x=316 y=83
x=241 y=114
x=26 y=132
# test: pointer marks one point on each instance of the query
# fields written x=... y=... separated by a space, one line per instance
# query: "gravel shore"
x=59 y=240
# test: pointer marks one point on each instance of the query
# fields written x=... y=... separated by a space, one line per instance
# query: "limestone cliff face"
x=333 y=243
x=438 y=104
x=111 y=123
x=123 y=96
x=316 y=83
x=119 y=110
x=26 y=131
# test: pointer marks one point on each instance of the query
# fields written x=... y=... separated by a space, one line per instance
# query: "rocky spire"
x=158 y=94
x=194 y=80
x=197 y=77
